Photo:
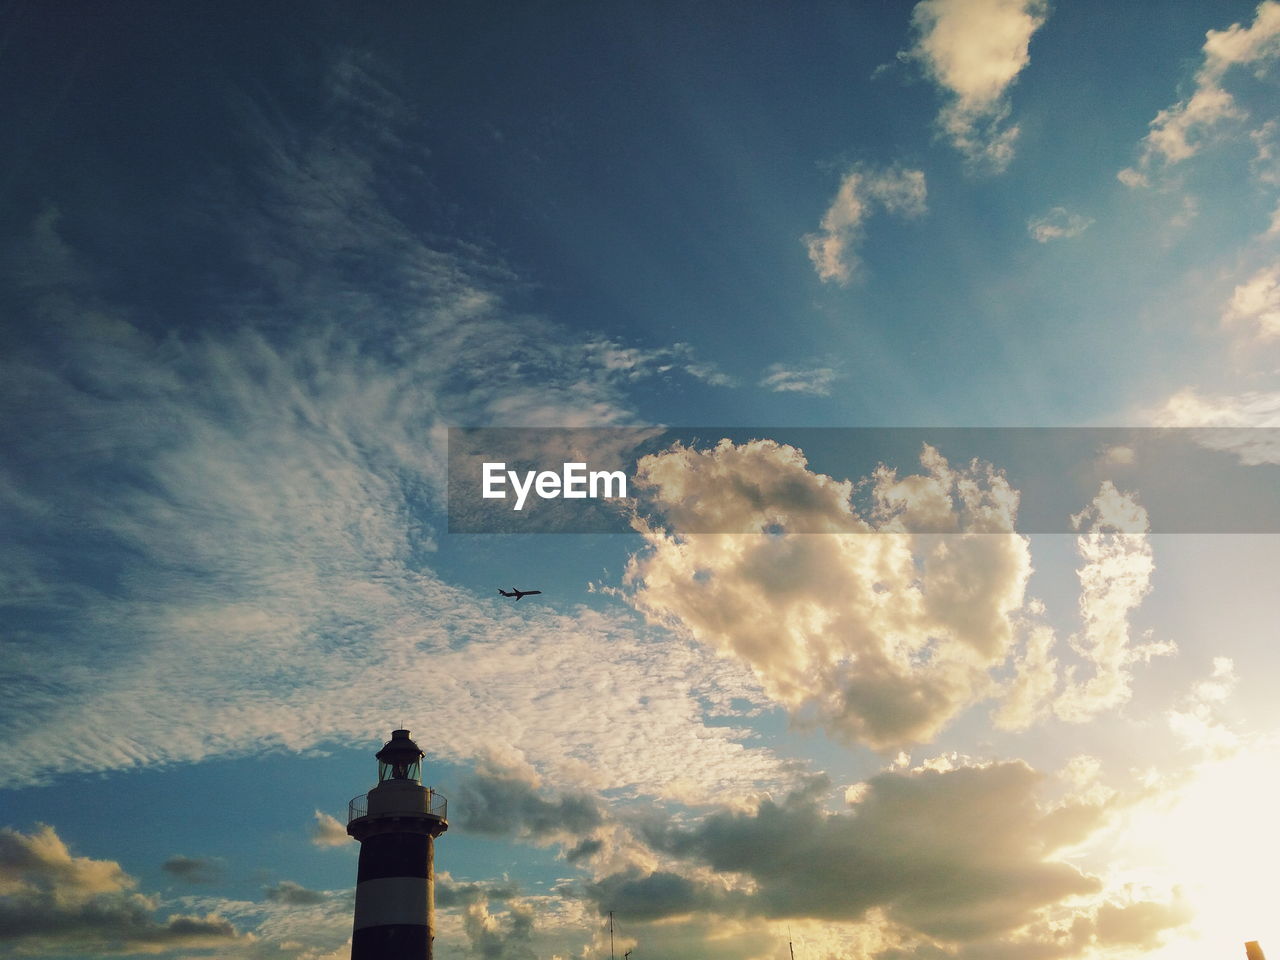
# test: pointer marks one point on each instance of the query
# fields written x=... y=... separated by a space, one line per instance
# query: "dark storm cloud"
x=502 y=803
x=451 y=894
x=960 y=855
x=584 y=850
x=294 y=894
x=51 y=901
x=193 y=869
x=654 y=896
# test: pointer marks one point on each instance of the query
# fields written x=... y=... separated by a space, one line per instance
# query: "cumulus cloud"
x=193 y=869
x=502 y=801
x=328 y=831
x=1180 y=131
x=52 y=901
x=974 y=50
x=863 y=191
x=1028 y=693
x=1114 y=579
x=883 y=638
x=506 y=936
x=1058 y=224
x=450 y=893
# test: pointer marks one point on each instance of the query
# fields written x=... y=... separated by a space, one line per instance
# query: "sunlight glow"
x=1217 y=843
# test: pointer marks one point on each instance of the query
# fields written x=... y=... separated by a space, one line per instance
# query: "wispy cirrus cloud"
x=974 y=50
x=194 y=869
x=788 y=378
x=251 y=562
x=1253 y=408
x=1057 y=224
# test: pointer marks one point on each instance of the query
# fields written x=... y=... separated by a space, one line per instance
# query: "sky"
x=257 y=261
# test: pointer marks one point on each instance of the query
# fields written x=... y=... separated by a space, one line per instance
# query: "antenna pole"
x=791 y=946
x=611 y=957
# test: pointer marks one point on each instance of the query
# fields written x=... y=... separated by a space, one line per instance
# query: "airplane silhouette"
x=518 y=593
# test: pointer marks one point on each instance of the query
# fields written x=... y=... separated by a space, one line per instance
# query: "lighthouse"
x=397 y=823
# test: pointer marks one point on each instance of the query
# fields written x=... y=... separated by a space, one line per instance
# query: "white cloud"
x=1028 y=694
x=883 y=638
x=783 y=378
x=1197 y=719
x=250 y=562
x=1114 y=579
x=1057 y=224
x=1266 y=163
x=1256 y=304
x=1213 y=413
x=328 y=831
x=974 y=50
x=1181 y=130
x=1189 y=408
x=833 y=249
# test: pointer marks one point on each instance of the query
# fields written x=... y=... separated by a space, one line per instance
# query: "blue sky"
x=257 y=262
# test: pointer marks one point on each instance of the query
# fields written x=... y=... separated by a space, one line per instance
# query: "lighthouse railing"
x=434 y=804
x=358 y=807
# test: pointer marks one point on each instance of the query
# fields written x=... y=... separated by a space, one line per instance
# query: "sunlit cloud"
x=53 y=902
x=1254 y=408
x=863 y=191
x=1197 y=719
x=328 y=831
x=952 y=855
x=1114 y=579
x=974 y=50
x=885 y=638
x=1255 y=304
x=1182 y=130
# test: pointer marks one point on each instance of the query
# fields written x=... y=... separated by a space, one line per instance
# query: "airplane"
x=518 y=593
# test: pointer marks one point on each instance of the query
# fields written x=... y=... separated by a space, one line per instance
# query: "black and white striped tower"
x=397 y=823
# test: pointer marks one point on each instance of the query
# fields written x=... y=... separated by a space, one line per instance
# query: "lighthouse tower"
x=396 y=823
